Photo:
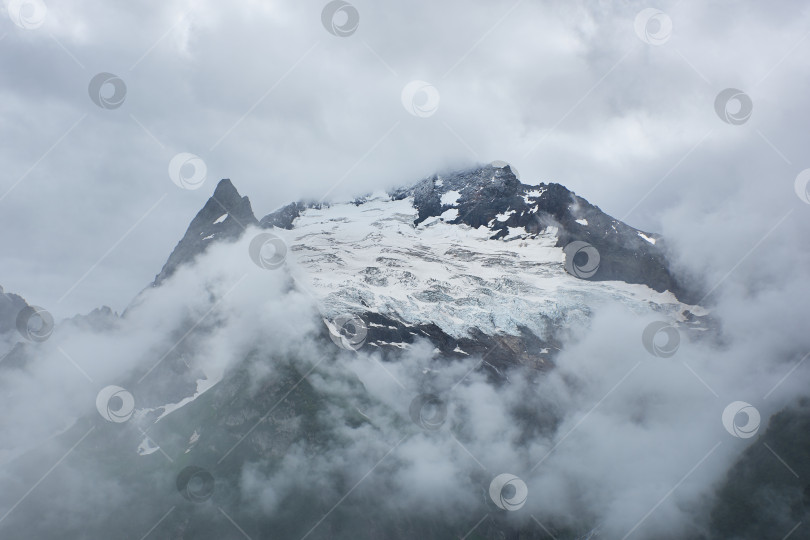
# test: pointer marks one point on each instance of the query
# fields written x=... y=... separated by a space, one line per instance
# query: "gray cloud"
x=303 y=110
x=598 y=440
x=601 y=112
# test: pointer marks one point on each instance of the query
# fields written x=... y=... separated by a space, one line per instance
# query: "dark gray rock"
x=283 y=217
x=761 y=497
x=99 y=320
x=487 y=191
x=204 y=230
x=10 y=306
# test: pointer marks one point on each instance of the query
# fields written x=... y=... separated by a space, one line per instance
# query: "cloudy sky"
x=573 y=92
x=626 y=107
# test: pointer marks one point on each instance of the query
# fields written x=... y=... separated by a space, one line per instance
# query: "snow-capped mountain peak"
x=466 y=259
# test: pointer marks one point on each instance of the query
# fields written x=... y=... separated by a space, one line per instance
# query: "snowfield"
x=370 y=257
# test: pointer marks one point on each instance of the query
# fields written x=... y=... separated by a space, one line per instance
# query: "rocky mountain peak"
x=224 y=216
x=10 y=306
x=490 y=196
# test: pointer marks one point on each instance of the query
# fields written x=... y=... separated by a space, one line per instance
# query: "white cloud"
x=610 y=127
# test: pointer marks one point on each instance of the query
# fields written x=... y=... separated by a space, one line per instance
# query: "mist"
x=613 y=439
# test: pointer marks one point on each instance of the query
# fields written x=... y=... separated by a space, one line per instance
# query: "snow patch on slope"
x=504 y=216
x=449 y=215
x=647 y=238
x=372 y=258
x=450 y=198
x=147 y=447
x=203 y=385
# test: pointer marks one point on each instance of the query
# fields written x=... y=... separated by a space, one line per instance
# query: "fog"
x=613 y=437
x=565 y=91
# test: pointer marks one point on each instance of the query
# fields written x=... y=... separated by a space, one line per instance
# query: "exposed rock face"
x=472 y=263
x=493 y=197
x=486 y=196
x=763 y=497
x=491 y=200
x=11 y=343
x=225 y=216
x=98 y=320
x=10 y=306
x=283 y=217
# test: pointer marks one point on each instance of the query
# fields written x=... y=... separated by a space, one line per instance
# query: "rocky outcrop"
x=493 y=197
x=10 y=306
x=767 y=492
x=225 y=216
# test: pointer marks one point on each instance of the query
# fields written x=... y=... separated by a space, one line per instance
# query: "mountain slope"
x=224 y=217
x=469 y=365
x=472 y=260
x=493 y=197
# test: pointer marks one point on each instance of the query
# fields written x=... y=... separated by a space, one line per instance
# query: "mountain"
x=478 y=240
x=224 y=216
x=489 y=197
x=761 y=494
x=380 y=368
x=10 y=305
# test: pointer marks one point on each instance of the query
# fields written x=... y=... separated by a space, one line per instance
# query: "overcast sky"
x=617 y=103
x=264 y=94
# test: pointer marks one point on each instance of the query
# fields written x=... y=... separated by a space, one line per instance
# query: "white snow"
x=450 y=215
x=451 y=197
x=451 y=275
x=208 y=237
x=221 y=218
x=392 y=344
x=516 y=233
x=582 y=221
x=203 y=385
x=505 y=216
x=533 y=194
x=146 y=447
x=647 y=238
